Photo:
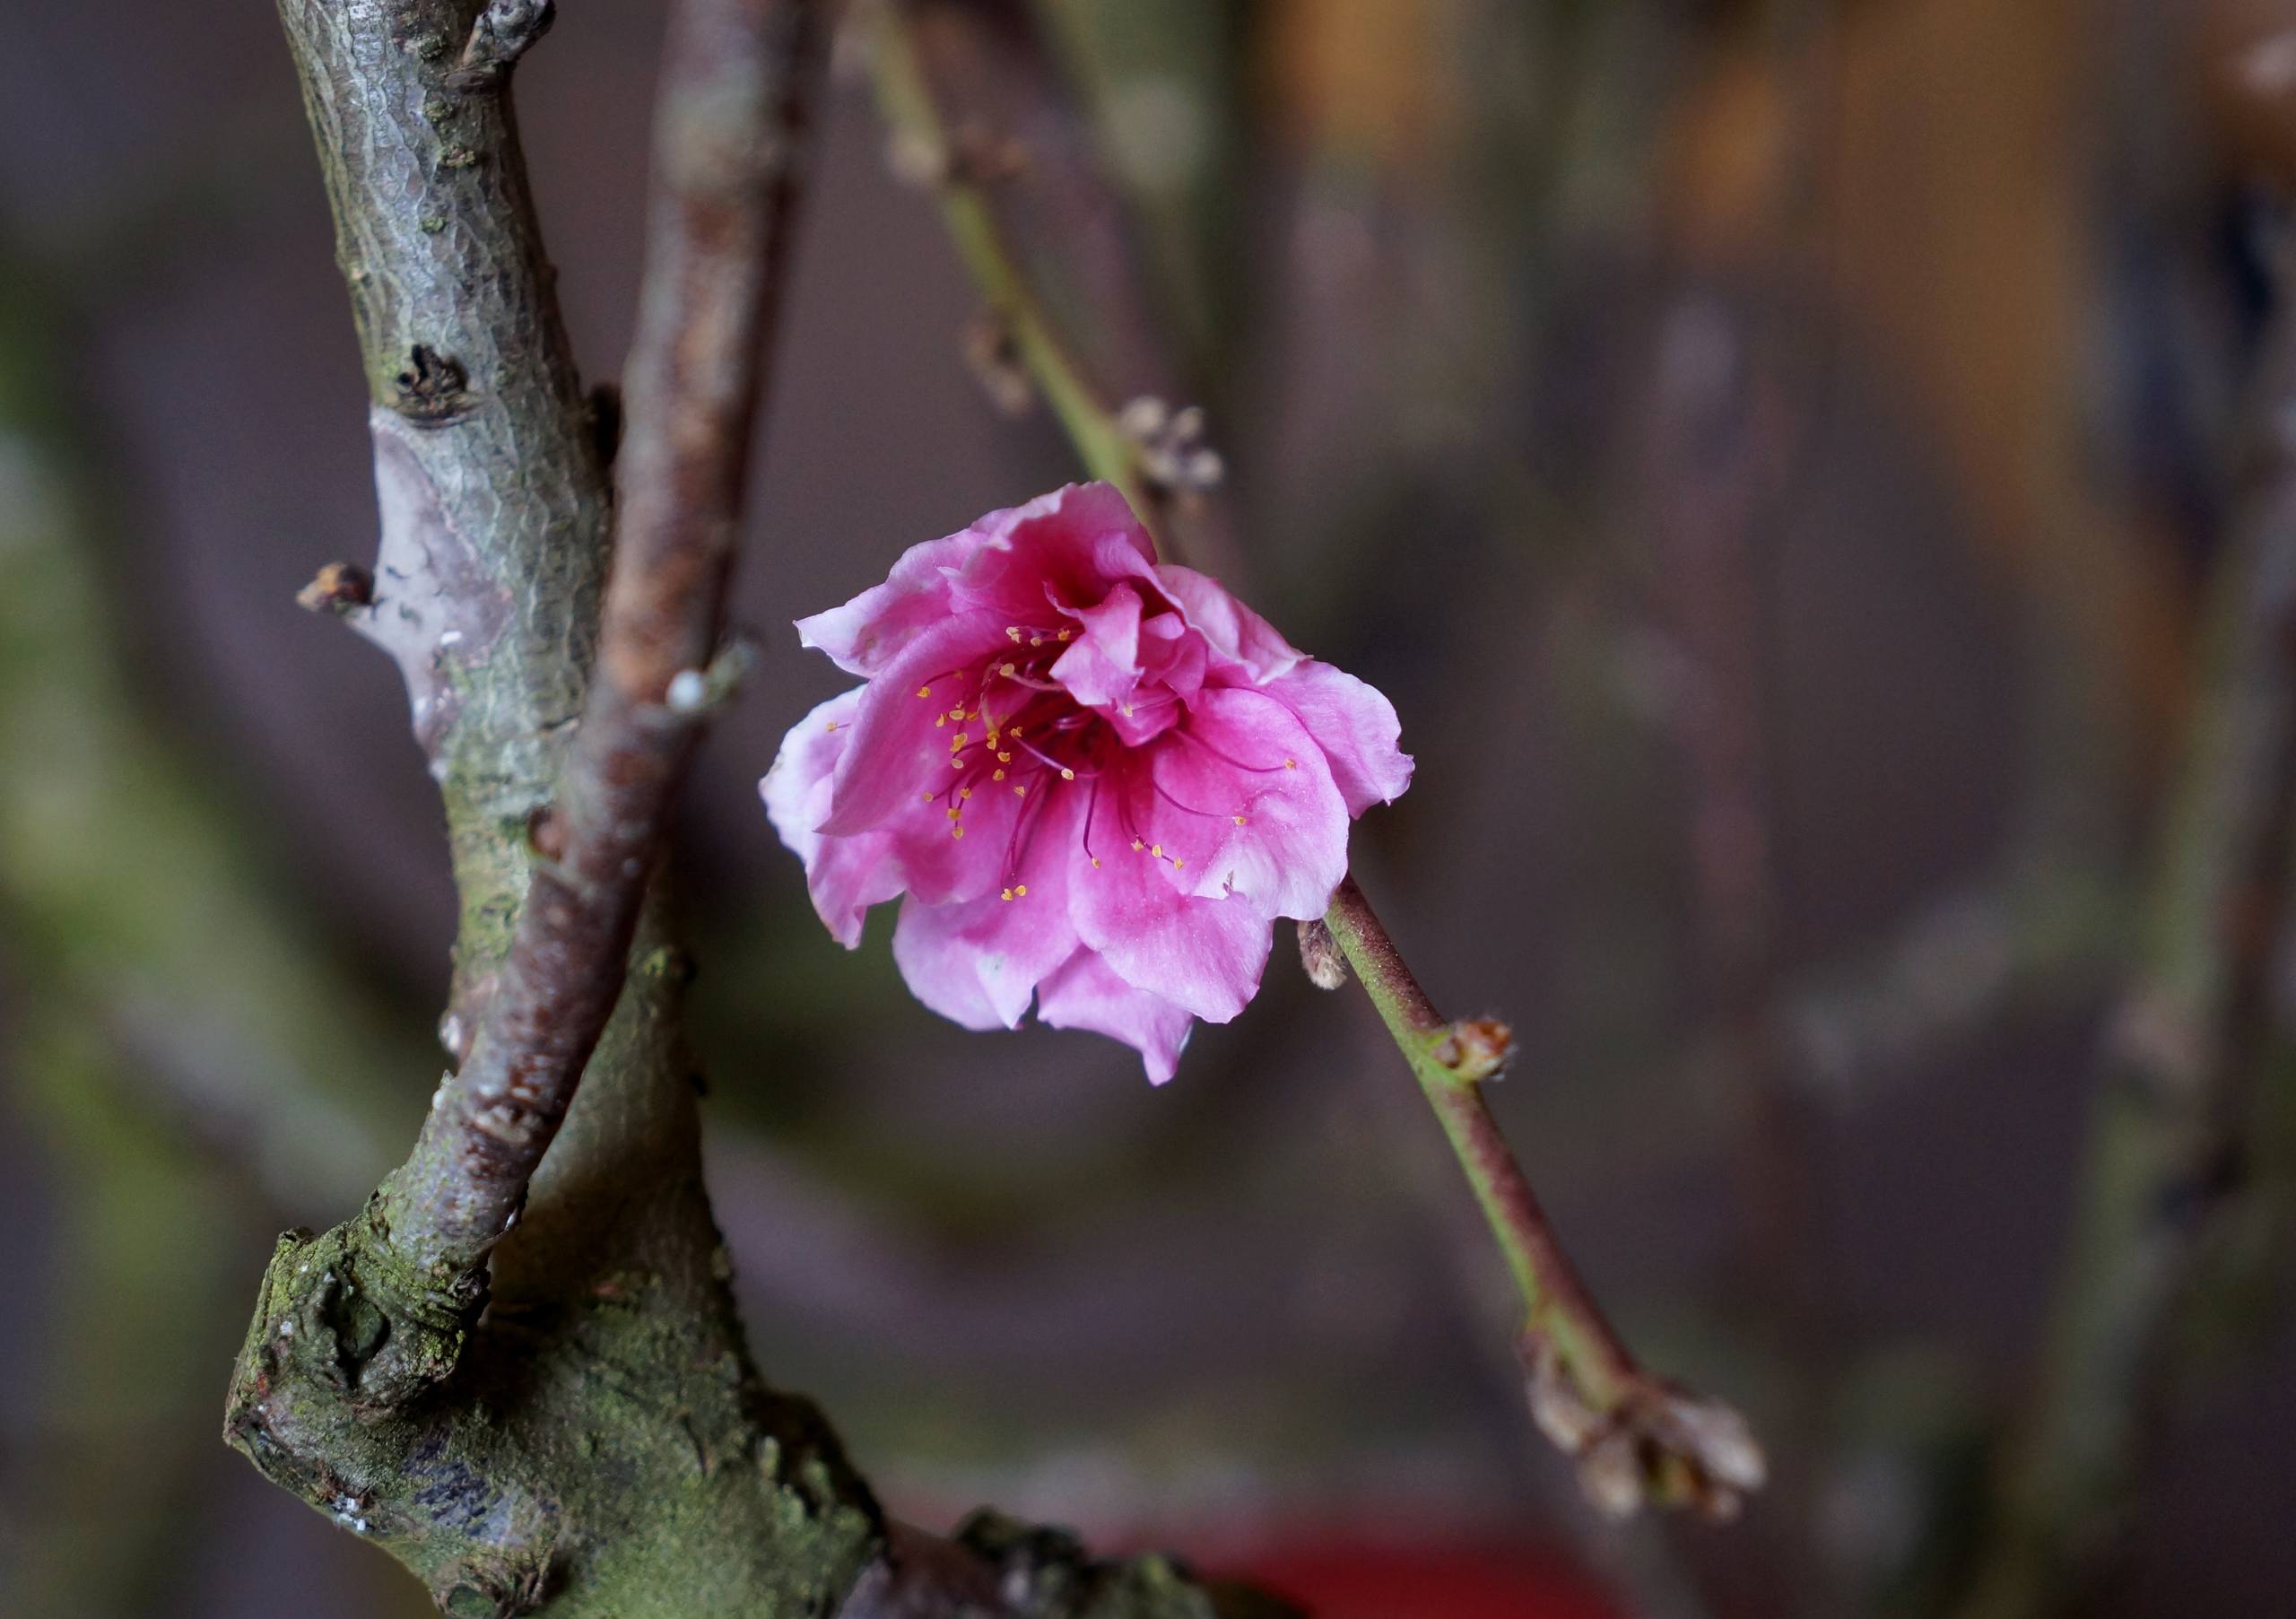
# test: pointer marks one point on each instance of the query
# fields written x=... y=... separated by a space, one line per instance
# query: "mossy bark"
x=599 y=1441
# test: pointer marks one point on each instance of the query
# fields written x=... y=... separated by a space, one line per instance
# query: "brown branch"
x=735 y=104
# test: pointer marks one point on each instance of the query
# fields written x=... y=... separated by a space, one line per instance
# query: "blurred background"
x=1774 y=453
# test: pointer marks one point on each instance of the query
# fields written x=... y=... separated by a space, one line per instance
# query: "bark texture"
x=529 y=1384
x=600 y=1443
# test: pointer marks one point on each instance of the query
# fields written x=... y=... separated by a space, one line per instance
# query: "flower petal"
x=1102 y=669
x=1277 y=830
x=1071 y=545
x=845 y=876
x=1356 y=727
x=897 y=749
x=1236 y=633
x=1007 y=946
x=1085 y=993
x=1203 y=955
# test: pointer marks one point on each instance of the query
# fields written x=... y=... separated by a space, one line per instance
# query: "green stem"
x=1450 y=1061
x=1634 y=1437
x=907 y=102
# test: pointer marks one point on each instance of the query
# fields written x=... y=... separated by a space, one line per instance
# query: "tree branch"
x=976 y=111
x=599 y=1442
x=735 y=111
x=2180 y=1053
x=1635 y=1437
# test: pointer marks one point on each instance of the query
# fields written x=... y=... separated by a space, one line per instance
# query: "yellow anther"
x=952 y=814
x=1006 y=895
x=1291 y=764
x=1014 y=632
x=1125 y=708
x=1036 y=640
x=1021 y=791
x=957 y=712
x=1004 y=758
x=832 y=725
x=959 y=740
x=1096 y=862
x=1020 y=891
x=1005 y=669
x=1156 y=850
x=1067 y=774
x=957 y=762
x=958 y=830
x=1137 y=845
x=927 y=797
x=1178 y=862
x=925 y=690
x=962 y=792
x=999 y=775
x=1066 y=634
x=1239 y=820
x=1016 y=730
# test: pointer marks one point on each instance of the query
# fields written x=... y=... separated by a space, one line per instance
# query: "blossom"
x=1098 y=778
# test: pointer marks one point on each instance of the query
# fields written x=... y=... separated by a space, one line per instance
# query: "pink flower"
x=1098 y=778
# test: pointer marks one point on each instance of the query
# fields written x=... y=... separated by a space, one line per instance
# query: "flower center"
x=1017 y=728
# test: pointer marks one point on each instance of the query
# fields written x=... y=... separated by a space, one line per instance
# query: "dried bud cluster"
x=1658 y=1443
x=1173 y=456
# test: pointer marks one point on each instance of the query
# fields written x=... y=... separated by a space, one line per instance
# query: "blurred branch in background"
x=2178 y=1067
x=977 y=113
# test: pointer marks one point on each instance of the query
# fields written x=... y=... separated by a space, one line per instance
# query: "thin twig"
x=978 y=112
x=1635 y=1437
x=738 y=84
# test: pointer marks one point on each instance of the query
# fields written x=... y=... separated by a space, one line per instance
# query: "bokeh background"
x=1772 y=452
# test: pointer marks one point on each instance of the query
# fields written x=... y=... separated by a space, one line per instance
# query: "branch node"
x=1320 y=955
x=696 y=691
x=430 y=390
x=1475 y=1048
x=1170 y=448
x=1653 y=1442
x=991 y=348
x=340 y=588
x=505 y=30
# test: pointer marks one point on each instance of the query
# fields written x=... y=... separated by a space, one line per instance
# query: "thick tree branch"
x=739 y=79
x=599 y=1442
x=1635 y=1437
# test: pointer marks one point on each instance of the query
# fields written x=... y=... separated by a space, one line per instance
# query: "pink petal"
x=1083 y=535
x=937 y=970
x=991 y=953
x=1203 y=955
x=1278 y=829
x=1356 y=729
x=896 y=750
x=1102 y=669
x=845 y=876
x=1071 y=545
x=1085 y=993
x=1235 y=633
x=872 y=630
